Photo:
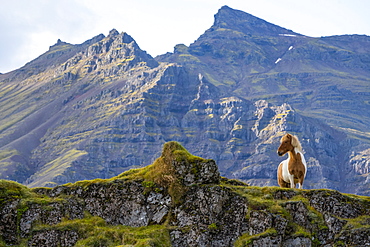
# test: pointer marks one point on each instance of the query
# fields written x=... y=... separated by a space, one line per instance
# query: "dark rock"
x=335 y=225
x=217 y=213
x=356 y=237
x=54 y=238
x=8 y=220
x=299 y=213
x=259 y=222
x=337 y=204
x=193 y=170
x=299 y=241
x=126 y=204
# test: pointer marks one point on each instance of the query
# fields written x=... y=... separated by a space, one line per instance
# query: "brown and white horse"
x=292 y=170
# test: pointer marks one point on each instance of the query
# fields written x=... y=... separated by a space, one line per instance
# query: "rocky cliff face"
x=179 y=200
x=308 y=82
x=253 y=59
x=102 y=107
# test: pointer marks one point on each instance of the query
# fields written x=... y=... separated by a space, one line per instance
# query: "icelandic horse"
x=292 y=170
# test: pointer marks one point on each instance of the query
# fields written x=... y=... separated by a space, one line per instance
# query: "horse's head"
x=287 y=143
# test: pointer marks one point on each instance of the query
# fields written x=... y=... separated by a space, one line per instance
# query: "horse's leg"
x=300 y=181
x=280 y=179
x=291 y=179
x=283 y=184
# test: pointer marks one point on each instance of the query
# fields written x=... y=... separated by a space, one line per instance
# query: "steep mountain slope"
x=102 y=107
x=327 y=78
x=90 y=104
x=179 y=200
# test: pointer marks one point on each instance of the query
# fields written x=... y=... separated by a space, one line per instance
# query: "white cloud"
x=28 y=28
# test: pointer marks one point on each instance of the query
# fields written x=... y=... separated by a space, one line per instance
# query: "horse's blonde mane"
x=295 y=142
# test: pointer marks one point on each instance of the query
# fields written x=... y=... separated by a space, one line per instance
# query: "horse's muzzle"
x=280 y=153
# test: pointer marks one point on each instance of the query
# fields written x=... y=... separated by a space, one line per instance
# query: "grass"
x=4 y=159
x=55 y=167
x=59 y=48
x=262 y=198
x=359 y=222
x=94 y=231
x=12 y=190
x=247 y=239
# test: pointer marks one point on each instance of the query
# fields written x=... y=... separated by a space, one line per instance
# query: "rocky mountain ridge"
x=280 y=66
x=179 y=200
x=105 y=106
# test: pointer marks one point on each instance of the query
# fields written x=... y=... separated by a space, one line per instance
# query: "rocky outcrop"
x=54 y=238
x=186 y=202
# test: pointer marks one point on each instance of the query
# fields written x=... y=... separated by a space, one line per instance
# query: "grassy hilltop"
x=179 y=200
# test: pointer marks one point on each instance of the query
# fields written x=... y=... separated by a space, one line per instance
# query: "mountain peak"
x=125 y=38
x=228 y=18
x=59 y=43
x=113 y=32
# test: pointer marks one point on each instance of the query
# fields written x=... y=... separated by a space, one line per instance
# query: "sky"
x=29 y=27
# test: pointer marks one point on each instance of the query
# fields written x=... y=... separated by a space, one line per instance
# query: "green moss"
x=184 y=155
x=22 y=243
x=301 y=232
x=94 y=231
x=148 y=184
x=340 y=243
x=359 y=222
x=213 y=226
x=21 y=210
x=247 y=239
x=13 y=190
x=261 y=198
x=233 y=182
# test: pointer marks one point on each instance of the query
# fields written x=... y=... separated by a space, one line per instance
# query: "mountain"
x=321 y=84
x=179 y=200
x=253 y=59
x=97 y=109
